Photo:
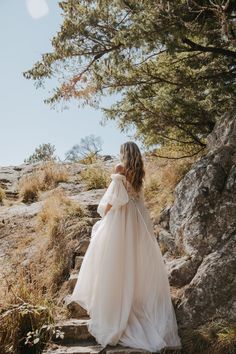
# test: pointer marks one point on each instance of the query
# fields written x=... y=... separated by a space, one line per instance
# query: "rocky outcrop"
x=202 y=222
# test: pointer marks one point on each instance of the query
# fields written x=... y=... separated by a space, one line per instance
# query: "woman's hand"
x=108 y=207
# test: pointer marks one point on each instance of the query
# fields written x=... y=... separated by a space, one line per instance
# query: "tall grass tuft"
x=52 y=225
x=26 y=317
x=44 y=177
x=95 y=177
x=216 y=337
x=2 y=195
x=88 y=159
x=161 y=179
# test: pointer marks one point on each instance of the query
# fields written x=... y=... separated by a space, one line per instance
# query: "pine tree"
x=173 y=64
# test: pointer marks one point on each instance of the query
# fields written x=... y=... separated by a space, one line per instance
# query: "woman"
x=123 y=282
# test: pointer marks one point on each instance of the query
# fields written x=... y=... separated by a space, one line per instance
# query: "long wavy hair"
x=132 y=162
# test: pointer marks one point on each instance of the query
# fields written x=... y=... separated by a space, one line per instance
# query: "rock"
x=72 y=281
x=202 y=222
x=224 y=133
x=82 y=247
x=106 y=157
x=166 y=241
x=76 y=311
x=71 y=188
x=83 y=348
x=211 y=292
x=203 y=214
x=78 y=262
x=182 y=270
x=9 y=176
x=165 y=217
x=11 y=194
x=124 y=350
x=74 y=330
x=20 y=210
x=86 y=348
x=90 y=199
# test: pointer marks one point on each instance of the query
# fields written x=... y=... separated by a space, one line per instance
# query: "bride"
x=122 y=282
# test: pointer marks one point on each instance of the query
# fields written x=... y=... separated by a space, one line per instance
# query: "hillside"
x=46 y=218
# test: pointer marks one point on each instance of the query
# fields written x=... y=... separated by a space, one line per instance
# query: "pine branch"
x=198 y=47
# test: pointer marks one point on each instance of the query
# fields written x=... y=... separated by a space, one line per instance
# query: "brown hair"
x=132 y=161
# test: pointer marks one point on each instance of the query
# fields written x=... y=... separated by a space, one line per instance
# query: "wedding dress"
x=122 y=282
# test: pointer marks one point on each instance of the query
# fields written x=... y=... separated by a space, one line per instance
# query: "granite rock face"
x=202 y=222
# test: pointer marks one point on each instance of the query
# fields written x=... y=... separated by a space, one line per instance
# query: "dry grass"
x=95 y=177
x=26 y=309
x=29 y=187
x=57 y=206
x=30 y=295
x=217 y=337
x=162 y=176
x=52 y=224
x=89 y=159
x=46 y=177
x=2 y=195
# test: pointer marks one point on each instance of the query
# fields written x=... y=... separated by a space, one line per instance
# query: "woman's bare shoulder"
x=119 y=168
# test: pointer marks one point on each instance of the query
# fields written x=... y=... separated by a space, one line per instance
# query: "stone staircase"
x=77 y=339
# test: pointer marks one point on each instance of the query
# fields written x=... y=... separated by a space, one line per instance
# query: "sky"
x=26 y=29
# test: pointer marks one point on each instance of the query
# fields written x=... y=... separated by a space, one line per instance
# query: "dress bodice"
x=132 y=193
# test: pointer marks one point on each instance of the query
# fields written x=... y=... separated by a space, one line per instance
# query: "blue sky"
x=27 y=27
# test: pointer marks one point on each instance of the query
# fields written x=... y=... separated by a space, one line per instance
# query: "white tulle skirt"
x=123 y=283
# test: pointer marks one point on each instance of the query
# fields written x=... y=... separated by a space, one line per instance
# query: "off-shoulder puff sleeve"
x=116 y=194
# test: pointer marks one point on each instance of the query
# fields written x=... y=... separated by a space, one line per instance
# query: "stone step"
x=82 y=247
x=72 y=281
x=82 y=348
x=75 y=330
x=87 y=348
x=78 y=262
x=119 y=349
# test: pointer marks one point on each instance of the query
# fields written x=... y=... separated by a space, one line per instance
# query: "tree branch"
x=198 y=47
x=176 y=158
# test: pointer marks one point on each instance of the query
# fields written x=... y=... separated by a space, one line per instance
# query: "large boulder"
x=211 y=293
x=203 y=223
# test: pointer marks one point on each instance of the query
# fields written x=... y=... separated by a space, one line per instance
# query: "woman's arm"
x=108 y=207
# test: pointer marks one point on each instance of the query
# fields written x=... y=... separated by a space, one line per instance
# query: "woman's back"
x=137 y=195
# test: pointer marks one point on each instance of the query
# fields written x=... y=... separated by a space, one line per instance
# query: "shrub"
x=216 y=337
x=95 y=177
x=50 y=174
x=2 y=195
x=45 y=152
x=26 y=319
x=43 y=178
x=89 y=159
x=29 y=188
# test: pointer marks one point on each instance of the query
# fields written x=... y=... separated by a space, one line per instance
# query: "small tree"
x=45 y=152
x=89 y=146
